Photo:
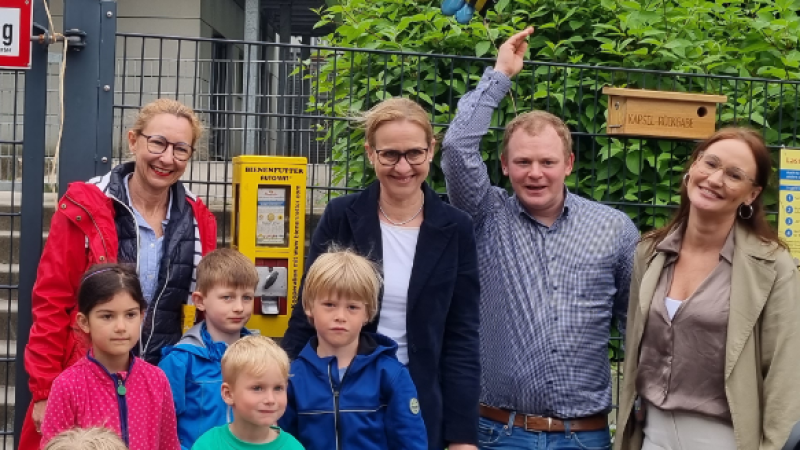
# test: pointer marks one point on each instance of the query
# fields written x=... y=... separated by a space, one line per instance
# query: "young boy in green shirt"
x=255 y=373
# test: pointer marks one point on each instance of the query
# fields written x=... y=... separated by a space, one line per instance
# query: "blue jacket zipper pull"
x=121 y=390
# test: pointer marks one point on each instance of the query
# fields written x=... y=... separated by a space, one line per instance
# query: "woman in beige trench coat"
x=720 y=254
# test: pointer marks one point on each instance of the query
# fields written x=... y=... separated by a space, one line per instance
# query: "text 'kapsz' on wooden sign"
x=643 y=112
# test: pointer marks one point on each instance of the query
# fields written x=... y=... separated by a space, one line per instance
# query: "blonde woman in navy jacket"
x=426 y=248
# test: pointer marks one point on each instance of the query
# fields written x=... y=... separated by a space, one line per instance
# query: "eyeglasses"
x=731 y=176
x=157 y=145
x=414 y=157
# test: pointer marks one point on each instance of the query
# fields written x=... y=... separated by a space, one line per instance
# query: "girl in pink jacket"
x=110 y=387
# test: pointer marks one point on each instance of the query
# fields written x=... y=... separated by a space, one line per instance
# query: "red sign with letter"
x=16 y=23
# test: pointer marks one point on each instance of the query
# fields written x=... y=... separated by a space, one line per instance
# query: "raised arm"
x=465 y=172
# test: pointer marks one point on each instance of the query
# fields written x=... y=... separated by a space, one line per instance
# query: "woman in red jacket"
x=138 y=213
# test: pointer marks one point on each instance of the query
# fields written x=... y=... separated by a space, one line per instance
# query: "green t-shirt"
x=221 y=438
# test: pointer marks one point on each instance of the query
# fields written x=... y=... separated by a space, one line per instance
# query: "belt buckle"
x=532 y=416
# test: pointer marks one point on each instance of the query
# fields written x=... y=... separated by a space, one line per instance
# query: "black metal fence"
x=12 y=85
x=305 y=105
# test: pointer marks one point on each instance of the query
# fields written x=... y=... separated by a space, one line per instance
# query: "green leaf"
x=633 y=163
x=482 y=47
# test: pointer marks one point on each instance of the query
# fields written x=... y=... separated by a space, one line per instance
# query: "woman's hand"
x=38 y=414
x=511 y=54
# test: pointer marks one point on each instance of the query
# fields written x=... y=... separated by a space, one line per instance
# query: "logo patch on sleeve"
x=413 y=405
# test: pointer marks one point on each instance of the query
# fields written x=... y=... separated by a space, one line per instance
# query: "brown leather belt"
x=539 y=423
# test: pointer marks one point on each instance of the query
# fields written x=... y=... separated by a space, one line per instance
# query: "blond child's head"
x=342 y=274
x=340 y=296
x=255 y=373
x=226 y=284
x=86 y=439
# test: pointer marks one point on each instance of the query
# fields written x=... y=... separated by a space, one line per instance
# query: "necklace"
x=405 y=221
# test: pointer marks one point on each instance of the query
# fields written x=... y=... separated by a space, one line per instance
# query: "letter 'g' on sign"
x=15 y=33
x=9 y=19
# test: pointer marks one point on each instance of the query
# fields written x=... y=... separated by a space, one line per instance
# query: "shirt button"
x=555 y=319
x=150 y=277
x=152 y=245
x=555 y=288
x=553 y=351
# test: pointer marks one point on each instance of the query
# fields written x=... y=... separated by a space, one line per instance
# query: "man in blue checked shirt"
x=555 y=268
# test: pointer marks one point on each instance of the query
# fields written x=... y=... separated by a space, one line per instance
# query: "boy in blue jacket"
x=226 y=282
x=347 y=389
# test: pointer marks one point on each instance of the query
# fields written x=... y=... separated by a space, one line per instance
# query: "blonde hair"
x=533 y=123
x=345 y=274
x=168 y=106
x=253 y=355
x=86 y=439
x=226 y=267
x=395 y=109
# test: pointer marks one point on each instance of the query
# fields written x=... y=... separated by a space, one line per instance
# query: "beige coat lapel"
x=752 y=278
x=647 y=288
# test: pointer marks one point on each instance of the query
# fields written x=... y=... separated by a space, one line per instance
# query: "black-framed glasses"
x=157 y=145
x=731 y=176
x=414 y=157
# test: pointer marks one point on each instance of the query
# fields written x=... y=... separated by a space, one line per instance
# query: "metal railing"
x=310 y=111
x=11 y=142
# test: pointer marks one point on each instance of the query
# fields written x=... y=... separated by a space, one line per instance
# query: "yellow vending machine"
x=269 y=210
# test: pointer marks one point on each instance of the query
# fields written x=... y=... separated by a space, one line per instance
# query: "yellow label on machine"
x=789 y=196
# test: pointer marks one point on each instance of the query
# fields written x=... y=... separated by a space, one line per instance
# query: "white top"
x=672 y=306
x=399 y=247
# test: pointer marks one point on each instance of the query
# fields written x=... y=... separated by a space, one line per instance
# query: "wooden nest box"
x=662 y=114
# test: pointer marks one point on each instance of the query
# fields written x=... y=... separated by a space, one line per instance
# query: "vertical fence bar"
x=251 y=32
x=33 y=157
x=84 y=93
x=107 y=52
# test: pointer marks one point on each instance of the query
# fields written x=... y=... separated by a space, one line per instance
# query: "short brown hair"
x=167 y=106
x=345 y=274
x=253 y=355
x=225 y=267
x=533 y=123
x=86 y=439
x=395 y=109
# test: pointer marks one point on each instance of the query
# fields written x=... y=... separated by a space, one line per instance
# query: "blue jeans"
x=499 y=436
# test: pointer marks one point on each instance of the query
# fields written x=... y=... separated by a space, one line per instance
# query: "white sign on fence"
x=9 y=24
x=15 y=34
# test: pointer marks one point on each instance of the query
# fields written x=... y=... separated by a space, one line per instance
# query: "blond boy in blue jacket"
x=347 y=389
